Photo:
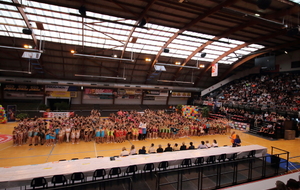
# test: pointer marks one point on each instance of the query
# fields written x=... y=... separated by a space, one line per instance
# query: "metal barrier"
x=233 y=170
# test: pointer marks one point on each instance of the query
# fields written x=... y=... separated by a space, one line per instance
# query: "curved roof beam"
x=280 y=13
x=193 y=22
x=21 y=11
x=240 y=62
x=272 y=35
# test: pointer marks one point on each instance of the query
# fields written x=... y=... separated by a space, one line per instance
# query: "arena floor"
x=28 y=155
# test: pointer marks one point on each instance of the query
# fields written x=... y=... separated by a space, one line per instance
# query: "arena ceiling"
x=112 y=39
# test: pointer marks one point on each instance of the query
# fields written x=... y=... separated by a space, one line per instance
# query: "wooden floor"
x=28 y=155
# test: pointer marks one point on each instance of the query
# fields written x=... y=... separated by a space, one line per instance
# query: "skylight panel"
x=224 y=44
x=242 y=52
x=224 y=49
x=176 y=46
x=209 y=51
x=192 y=39
x=296 y=1
x=8 y=7
x=251 y=49
x=225 y=62
x=206 y=59
x=211 y=56
x=256 y=46
x=2 y=33
x=206 y=36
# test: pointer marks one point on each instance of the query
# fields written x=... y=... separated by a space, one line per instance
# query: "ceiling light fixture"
x=27 y=46
x=147 y=59
x=106 y=77
x=175 y=81
x=201 y=66
x=172 y=65
x=177 y=63
x=103 y=57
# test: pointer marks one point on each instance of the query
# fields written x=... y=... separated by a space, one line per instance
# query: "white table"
x=22 y=175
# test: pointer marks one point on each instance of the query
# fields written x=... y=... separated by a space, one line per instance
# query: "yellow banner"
x=60 y=94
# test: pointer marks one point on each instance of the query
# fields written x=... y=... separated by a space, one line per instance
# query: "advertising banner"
x=23 y=88
x=214 y=70
x=181 y=94
x=98 y=91
x=57 y=114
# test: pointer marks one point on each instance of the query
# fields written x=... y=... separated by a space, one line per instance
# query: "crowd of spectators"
x=278 y=91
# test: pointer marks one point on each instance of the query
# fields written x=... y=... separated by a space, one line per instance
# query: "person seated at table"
x=202 y=145
x=176 y=147
x=132 y=150
x=208 y=144
x=152 y=149
x=160 y=149
x=183 y=146
x=292 y=184
x=280 y=185
x=215 y=144
x=124 y=152
x=142 y=150
x=191 y=147
x=237 y=141
x=168 y=148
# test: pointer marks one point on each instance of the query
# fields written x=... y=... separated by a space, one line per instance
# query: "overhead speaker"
x=82 y=10
x=143 y=22
x=166 y=50
x=203 y=55
x=27 y=31
x=263 y=4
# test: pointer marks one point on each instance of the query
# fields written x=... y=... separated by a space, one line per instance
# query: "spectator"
x=168 y=148
x=132 y=150
x=237 y=141
x=292 y=184
x=208 y=144
x=124 y=152
x=215 y=144
x=176 y=147
x=191 y=147
x=159 y=149
x=183 y=146
x=142 y=150
x=202 y=145
x=152 y=149
x=280 y=185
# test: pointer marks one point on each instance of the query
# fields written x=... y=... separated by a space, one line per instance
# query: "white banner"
x=56 y=88
x=57 y=114
x=214 y=70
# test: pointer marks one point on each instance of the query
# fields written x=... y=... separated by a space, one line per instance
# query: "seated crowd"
x=277 y=91
x=117 y=128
